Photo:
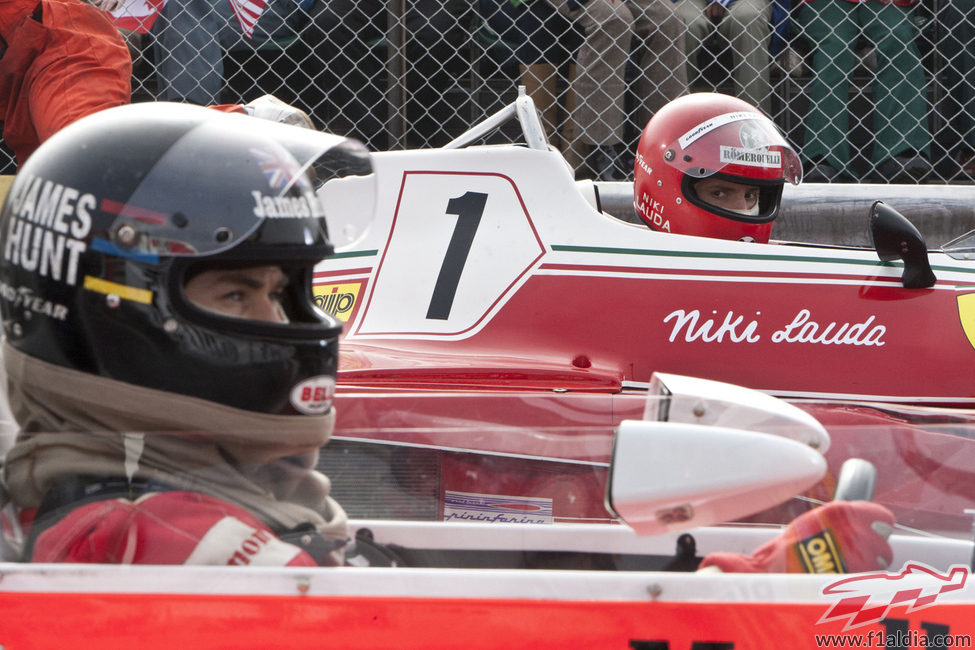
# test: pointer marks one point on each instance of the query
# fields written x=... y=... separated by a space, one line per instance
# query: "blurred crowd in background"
x=869 y=90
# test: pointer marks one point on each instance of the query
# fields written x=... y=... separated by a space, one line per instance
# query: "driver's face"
x=728 y=195
x=252 y=293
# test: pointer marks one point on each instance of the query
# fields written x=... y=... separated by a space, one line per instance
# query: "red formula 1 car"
x=550 y=414
x=490 y=286
x=488 y=267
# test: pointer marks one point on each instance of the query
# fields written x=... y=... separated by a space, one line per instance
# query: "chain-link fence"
x=868 y=91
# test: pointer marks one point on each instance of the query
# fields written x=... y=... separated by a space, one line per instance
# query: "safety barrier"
x=415 y=73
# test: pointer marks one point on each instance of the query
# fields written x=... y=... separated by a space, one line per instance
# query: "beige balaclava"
x=76 y=424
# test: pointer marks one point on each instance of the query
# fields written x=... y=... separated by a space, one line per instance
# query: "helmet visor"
x=745 y=144
x=213 y=188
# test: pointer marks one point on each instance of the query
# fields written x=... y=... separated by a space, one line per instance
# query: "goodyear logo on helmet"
x=707 y=126
x=25 y=298
x=46 y=228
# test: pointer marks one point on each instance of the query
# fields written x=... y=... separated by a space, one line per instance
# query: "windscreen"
x=446 y=466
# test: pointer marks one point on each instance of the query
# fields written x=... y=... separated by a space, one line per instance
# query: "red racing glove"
x=165 y=528
x=839 y=537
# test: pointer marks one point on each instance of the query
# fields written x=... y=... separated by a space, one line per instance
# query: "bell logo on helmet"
x=314 y=395
x=47 y=225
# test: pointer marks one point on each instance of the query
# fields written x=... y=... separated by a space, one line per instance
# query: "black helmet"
x=108 y=218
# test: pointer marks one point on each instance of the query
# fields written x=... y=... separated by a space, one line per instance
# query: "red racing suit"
x=60 y=60
x=174 y=527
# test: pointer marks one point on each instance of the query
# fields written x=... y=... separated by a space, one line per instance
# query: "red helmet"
x=713 y=136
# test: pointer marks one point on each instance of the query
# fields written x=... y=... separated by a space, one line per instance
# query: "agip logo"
x=337 y=299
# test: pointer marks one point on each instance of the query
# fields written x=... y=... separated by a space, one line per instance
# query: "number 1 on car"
x=468 y=209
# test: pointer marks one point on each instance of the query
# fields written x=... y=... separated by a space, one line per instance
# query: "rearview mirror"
x=894 y=237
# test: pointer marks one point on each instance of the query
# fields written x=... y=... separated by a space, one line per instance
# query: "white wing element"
x=678 y=398
x=709 y=452
x=668 y=476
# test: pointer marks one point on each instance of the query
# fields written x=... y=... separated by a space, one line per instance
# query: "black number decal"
x=895 y=633
x=468 y=208
x=898 y=635
x=936 y=635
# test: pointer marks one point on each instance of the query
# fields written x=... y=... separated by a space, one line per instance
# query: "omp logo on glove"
x=820 y=553
x=837 y=537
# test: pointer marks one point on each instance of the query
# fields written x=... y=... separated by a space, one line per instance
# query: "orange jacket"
x=59 y=61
